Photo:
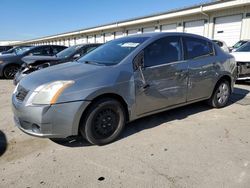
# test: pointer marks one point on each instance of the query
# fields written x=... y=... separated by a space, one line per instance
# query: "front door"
x=165 y=76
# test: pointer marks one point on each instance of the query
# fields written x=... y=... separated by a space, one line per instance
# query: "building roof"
x=202 y=7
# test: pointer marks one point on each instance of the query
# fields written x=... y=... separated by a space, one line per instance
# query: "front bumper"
x=49 y=121
x=18 y=76
x=243 y=70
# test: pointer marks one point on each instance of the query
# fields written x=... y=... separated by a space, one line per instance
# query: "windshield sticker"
x=129 y=45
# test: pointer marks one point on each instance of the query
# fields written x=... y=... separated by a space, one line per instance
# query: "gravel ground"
x=192 y=146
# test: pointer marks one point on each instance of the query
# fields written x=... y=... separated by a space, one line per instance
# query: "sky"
x=29 y=19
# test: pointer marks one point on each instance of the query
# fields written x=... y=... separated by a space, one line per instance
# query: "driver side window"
x=163 y=51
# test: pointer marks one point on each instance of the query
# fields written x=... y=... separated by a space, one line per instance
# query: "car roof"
x=159 y=34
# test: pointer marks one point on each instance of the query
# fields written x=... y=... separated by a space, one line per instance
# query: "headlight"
x=1 y=62
x=48 y=94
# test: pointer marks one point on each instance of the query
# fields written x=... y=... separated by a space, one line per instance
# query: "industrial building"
x=224 y=20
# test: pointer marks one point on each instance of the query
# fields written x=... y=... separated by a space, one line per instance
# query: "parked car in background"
x=5 y=48
x=10 y=63
x=33 y=63
x=238 y=45
x=13 y=50
x=120 y=81
x=242 y=57
x=222 y=45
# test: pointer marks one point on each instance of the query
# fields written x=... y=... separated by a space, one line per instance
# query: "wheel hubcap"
x=11 y=71
x=223 y=93
x=105 y=123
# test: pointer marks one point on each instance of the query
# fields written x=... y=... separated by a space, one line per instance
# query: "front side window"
x=114 y=51
x=195 y=48
x=162 y=51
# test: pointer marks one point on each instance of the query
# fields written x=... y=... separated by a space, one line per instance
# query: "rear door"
x=201 y=60
x=165 y=74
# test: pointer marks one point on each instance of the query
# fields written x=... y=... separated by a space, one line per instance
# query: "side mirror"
x=76 y=56
x=138 y=62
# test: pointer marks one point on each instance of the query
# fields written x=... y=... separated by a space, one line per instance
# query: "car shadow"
x=239 y=94
x=155 y=120
x=73 y=141
x=3 y=143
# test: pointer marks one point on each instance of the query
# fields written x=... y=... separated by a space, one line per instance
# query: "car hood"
x=67 y=71
x=241 y=56
x=32 y=59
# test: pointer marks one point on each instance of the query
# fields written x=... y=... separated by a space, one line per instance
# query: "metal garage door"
x=78 y=40
x=195 y=27
x=108 y=37
x=99 y=39
x=228 y=29
x=118 y=34
x=91 y=39
x=132 y=32
x=72 y=42
x=148 y=29
x=168 y=28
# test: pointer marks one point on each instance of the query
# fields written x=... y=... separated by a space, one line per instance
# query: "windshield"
x=22 y=50
x=239 y=44
x=244 y=48
x=114 y=51
x=68 y=51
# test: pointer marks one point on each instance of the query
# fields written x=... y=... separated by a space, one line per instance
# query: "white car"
x=242 y=57
x=222 y=45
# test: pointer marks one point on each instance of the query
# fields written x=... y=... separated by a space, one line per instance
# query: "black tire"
x=10 y=71
x=221 y=95
x=104 y=121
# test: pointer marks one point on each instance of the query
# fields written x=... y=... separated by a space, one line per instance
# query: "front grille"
x=21 y=93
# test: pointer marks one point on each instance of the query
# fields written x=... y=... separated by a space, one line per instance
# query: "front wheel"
x=104 y=122
x=221 y=95
x=10 y=71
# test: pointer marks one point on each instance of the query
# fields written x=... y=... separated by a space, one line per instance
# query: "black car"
x=5 y=48
x=13 y=50
x=33 y=63
x=10 y=63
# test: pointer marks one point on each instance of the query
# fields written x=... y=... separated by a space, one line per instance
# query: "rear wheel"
x=221 y=95
x=104 y=122
x=10 y=71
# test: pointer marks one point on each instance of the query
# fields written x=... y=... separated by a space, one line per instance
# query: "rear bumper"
x=49 y=121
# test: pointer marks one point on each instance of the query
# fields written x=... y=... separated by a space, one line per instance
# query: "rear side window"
x=163 y=51
x=196 y=48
